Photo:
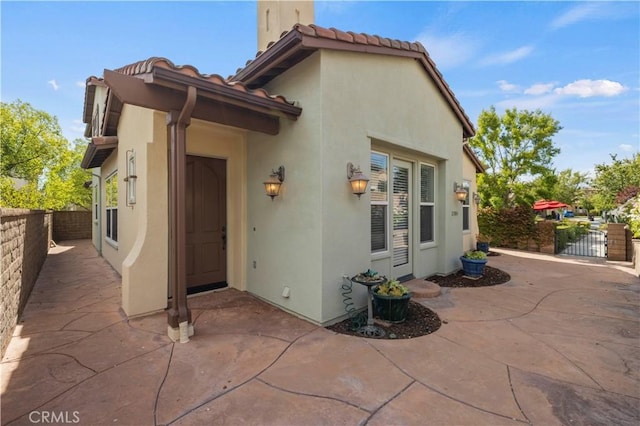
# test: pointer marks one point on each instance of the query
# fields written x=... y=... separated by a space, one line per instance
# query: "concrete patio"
x=557 y=345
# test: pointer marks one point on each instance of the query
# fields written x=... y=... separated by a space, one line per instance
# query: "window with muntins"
x=111 y=206
x=378 y=187
x=427 y=203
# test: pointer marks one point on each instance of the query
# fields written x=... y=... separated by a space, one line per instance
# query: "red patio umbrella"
x=548 y=205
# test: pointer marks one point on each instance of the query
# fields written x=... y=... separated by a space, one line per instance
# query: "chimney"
x=278 y=16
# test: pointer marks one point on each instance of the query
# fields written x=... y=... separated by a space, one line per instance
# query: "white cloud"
x=539 y=89
x=505 y=86
x=53 y=84
x=577 y=14
x=81 y=84
x=508 y=57
x=590 y=88
x=449 y=51
x=626 y=147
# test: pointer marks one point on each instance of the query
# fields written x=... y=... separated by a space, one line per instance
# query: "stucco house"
x=180 y=160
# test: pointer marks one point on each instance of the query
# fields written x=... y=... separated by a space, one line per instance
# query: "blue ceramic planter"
x=482 y=247
x=473 y=267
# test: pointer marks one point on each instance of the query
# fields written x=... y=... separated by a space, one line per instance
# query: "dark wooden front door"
x=206 y=223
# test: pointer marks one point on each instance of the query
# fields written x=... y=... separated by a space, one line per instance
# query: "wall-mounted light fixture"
x=273 y=184
x=131 y=177
x=476 y=198
x=461 y=193
x=357 y=180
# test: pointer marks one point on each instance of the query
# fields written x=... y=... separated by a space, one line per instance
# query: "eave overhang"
x=474 y=158
x=98 y=150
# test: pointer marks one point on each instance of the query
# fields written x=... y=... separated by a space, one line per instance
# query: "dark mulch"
x=491 y=276
x=420 y=321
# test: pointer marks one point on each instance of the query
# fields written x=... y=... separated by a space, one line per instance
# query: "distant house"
x=182 y=159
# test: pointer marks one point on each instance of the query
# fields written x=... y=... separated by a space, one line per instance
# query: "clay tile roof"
x=359 y=38
x=147 y=66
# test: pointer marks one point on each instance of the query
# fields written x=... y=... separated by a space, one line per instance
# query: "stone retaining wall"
x=25 y=237
x=71 y=225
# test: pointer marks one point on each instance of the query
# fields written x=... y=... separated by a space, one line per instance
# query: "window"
x=111 y=203
x=378 y=185
x=465 y=206
x=427 y=203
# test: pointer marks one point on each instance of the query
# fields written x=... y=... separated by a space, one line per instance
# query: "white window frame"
x=384 y=203
x=109 y=207
x=432 y=204
x=466 y=206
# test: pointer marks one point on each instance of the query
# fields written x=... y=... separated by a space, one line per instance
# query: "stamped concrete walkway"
x=557 y=345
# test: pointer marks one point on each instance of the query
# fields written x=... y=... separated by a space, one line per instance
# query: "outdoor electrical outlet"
x=286 y=292
x=255 y=264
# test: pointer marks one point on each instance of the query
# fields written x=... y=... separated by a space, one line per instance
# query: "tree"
x=570 y=187
x=38 y=167
x=31 y=141
x=514 y=146
x=617 y=178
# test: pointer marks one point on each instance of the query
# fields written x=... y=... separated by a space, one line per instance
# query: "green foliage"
x=570 y=232
x=31 y=141
x=513 y=146
x=39 y=169
x=612 y=179
x=507 y=227
x=392 y=288
x=475 y=255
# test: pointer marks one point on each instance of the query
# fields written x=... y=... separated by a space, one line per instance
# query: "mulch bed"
x=491 y=276
x=420 y=319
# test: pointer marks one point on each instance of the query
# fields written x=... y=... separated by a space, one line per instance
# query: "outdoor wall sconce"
x=357 y=180
x=273 y=184
x=476 y=198
x=461 y=193
x=131 y=178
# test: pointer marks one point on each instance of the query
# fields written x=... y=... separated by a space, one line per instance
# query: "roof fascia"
x=135 y=91
x=223 y=93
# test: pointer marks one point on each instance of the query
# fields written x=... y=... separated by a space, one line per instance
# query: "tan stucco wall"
x=284 y=236
x=317 y=231
x=469 y=174
x=390 y=105
x=145 y=269
x=142 y=225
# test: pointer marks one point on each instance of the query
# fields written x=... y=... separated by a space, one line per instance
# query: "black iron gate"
x=592 y=243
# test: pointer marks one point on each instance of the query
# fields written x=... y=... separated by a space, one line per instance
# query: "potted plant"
x=473 y=263
x=392 y=301
x=482 y=242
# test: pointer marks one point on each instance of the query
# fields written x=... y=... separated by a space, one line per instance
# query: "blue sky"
x=578 y=61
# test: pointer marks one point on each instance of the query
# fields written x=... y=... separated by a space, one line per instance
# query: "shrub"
x=507 y=227
x=475 y=255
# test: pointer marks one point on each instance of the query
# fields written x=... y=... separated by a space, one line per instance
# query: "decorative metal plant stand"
x=370 y=330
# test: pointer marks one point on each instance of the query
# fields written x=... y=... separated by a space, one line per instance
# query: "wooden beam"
x=135 y=91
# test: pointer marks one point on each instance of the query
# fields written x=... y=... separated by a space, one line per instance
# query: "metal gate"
x=592 y=244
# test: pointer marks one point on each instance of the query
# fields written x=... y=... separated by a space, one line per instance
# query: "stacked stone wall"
x=71 y=225
x=25 y=238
